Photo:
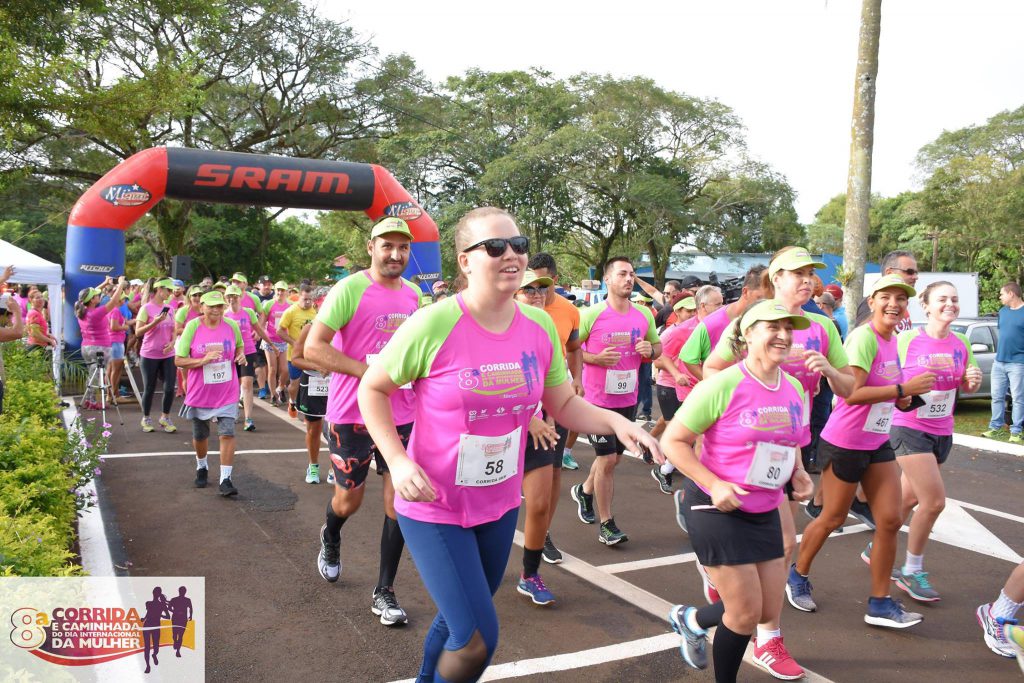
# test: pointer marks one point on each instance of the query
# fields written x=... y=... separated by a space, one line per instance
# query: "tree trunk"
x=858 y=189
x=172 y=224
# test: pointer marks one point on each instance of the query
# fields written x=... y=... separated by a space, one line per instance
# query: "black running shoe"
x=584 y=504
x=812 y=510
x=862 y=511
x=664 y=480
x=227 y=488
x=551 y=554
x=328 y=562
x=202 y=475
x=610 y=534
x=385 y=605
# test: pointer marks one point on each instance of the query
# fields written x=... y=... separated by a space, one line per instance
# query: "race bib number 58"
x=487 y=460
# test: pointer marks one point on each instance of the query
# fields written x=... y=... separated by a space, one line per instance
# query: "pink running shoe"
x=774 y=659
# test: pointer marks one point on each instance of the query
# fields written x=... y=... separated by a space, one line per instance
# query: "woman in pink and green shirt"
x=210 y=348
x=923 y=437
x=480 y=364
x=751 y=417
x=855 y=449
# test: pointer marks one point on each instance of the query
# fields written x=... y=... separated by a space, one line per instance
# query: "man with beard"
x=617 y=335
x=358 y=318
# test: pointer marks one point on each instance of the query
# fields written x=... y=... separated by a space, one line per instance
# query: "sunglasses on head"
x=531 y=291
x=496 y=246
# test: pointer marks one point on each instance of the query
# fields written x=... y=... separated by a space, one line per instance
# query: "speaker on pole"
x=181 y=268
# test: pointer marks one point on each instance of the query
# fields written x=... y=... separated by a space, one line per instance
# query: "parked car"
x=983 y=336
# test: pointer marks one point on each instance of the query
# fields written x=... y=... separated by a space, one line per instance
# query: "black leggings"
x=150 y=368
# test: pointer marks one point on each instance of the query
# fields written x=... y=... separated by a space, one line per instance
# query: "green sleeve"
x=709 y=399
x=698 y=347
x=724 y=346
x=181 y=314
x=416 y=290
x=557 y=372
x=142 y=316
x=265 y=306
x=862 y=347
x=795 y=383
x=239 y=343
x=836 y=353
x=652 y=327
x=587 y=318
x=414 y=346
x=903 y=340
x=254 y=318
x=255 y=300
x=184 y=346
x=967 y=345
x=341 y=302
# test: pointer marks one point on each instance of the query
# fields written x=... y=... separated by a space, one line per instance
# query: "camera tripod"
x=98 y=382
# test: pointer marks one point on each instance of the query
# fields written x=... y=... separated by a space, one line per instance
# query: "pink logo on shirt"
x=773 y=418
x=889 y=370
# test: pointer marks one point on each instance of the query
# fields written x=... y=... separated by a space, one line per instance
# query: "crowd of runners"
x=467 y=405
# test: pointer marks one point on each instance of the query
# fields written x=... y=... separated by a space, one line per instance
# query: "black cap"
x=264 y=278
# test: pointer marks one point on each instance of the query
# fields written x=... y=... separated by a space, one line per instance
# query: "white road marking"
x=575 y=660
x=980 y=443
x=987 y=511
x=669 y=560
x=958 y=528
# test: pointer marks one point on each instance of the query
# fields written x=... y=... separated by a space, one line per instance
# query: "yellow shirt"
x=293 y=320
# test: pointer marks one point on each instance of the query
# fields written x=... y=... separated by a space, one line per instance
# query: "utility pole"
x=858 y=188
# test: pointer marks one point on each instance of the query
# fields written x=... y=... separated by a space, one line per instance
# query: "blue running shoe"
x=264 y=393
x=798 y=590
x=533 y=587
x=916 y=584
x=694 y=647
x=890 y=614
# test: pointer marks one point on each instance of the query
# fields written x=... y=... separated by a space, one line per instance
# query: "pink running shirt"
x=215 y=384
x=365 y=315
x=475 y=393
x=601 y=326
x=948 y=358
x=866 y=428
x=735 y=412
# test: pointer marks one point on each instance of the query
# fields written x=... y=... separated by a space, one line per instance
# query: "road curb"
x=983 y=444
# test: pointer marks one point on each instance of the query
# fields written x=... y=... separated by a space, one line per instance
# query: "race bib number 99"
x=620 y=382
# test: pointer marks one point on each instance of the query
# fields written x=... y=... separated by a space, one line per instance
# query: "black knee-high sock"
x=710 y=615
x=391 y=544
x=334 y=524
x=531 y=561
x=727 y=653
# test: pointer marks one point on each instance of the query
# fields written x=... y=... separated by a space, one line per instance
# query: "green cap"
x=90 y=294
x=791 y=259
x=195 y=289
x=166 y=283
x=388 y=225
x=213 y=298
x=281 y=284
x=688 y=303
x=220 y=285
x=531 y=278
x=426 y=300
x=771 y=309
x=887 y=281
x=240 y=277
x=233 y=290
x=640 y=298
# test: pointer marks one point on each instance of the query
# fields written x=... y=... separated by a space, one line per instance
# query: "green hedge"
x=41 y=469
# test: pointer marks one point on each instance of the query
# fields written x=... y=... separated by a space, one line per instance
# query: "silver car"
x=983 y=336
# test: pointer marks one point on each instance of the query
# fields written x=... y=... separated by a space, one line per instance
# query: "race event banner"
x=103 y=628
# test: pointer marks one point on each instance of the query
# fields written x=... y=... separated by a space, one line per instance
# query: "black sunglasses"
x=530 y=291
x=908 y=271
x=496 y=246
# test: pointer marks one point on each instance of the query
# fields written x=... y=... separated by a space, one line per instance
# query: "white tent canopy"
x=31 y=269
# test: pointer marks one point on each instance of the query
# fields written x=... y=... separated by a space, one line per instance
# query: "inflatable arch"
x=99 y=219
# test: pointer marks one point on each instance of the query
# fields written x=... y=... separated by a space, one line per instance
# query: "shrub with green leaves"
x=43 y=468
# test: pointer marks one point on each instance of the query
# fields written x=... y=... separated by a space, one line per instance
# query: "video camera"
x=731 y=288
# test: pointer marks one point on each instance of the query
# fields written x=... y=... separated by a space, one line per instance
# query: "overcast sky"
x=786 y=67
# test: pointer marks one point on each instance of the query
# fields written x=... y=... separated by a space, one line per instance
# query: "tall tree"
x=264 y=76
x=855 y=239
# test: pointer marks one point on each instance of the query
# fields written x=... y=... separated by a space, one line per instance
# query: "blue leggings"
x=462 y=569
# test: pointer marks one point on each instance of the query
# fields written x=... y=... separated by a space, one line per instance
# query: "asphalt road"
x=270 y=617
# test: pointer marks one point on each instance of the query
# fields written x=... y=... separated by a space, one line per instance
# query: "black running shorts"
x=848 y=464
x=352 y=449
x=607 y=444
